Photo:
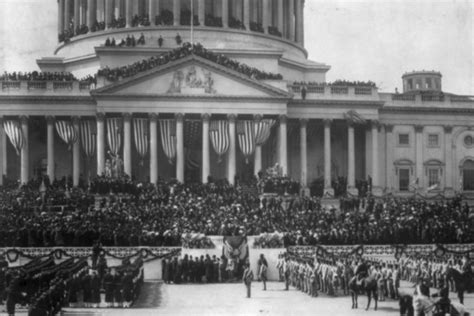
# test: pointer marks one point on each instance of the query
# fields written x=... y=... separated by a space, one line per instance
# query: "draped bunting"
x=67 y=132
x=219 y=134
x=140 y=132
x=88 y=137
x=15 y=134
x=191 y=161
x=246 y=137
x=114 y=134
x=263 y=130
x=168 y=138
x=192 y=134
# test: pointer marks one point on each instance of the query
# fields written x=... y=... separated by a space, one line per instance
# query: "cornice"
x=321 y=102
x=46 y=99
x=190 y=97
x=408 y=110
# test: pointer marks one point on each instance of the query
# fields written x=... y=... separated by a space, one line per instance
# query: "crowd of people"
x=45 y=76
x=129 y=41
x=339 y=82
x=201 y=269
x=127 y=213
x=185 y=50
x=46 y=286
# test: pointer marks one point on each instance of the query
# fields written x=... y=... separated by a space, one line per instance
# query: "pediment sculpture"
x=192 y=81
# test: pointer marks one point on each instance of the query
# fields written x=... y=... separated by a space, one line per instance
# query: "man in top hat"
x=247 y=278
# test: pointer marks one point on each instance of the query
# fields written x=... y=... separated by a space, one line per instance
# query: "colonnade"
x=285 y=15
x=153 y=139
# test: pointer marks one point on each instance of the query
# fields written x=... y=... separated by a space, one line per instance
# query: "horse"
x=346 y=275
x=367 y=285
x=462 y=281
x=406 y=305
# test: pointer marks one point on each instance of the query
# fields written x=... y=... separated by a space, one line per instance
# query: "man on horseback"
x=361 y=271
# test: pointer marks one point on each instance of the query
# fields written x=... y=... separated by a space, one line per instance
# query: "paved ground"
x=230 y=299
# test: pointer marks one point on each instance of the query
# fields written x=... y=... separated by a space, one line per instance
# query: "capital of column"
x=205 y=117
x=153 y=116
x=23 y=119
x=388 y=128
x=100 y=116
x=327 y=122
x=257 y=118
x=448 y=129
x=127 y=117
x=375 y=123
x=283 y=118
x=231 y=117
x=303 y=122
x=50 y=119
x=419 y=128
x=179 y=117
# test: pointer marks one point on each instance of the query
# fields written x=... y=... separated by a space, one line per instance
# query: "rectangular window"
x=403 y=139
x=410 y=84
x=428 y=83
x=433 y=140
x=418 y=84
x=404 y=179
x=433 y=176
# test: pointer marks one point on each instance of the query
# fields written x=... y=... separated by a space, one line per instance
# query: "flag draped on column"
x=140 y=132
x=114 y=134
x=67 y=132
x=246 y=137
x=88 y=137
x=263 y=130
x=219 y=134
x=168 y=138
x=15 y=134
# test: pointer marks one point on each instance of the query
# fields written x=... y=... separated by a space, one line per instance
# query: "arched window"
x=433 y=173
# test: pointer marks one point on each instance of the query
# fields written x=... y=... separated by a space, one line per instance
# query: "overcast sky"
x=374 y=40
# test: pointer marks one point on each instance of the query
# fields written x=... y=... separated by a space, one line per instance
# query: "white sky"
x=374 y=40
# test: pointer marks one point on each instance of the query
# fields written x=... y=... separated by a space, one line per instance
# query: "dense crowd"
x=129 y=41
x=45 y=76
x=46 y=286
x=130 y=214
x=186 y=49
x=339 y=82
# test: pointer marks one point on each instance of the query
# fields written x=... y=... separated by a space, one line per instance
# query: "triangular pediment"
x=191 y=76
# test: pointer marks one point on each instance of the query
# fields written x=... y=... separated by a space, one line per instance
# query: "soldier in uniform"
x=109 y=287
x=248 y=278
x=127 y=289
x=262 y=273
x=95 y=289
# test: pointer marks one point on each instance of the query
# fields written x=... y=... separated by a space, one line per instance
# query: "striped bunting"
x=168 y=138
x=67 y=132
x=114 y=134
x=15 y=134
x=88 y=137
x=246 y=137
x=140 y=132
x=219 y=134
x=263 y=130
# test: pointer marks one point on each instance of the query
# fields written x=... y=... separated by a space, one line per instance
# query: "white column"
x=205 y=148
x=299 y=22
x=376 y=189
x=283 y=152
x=180 y=147
x=225 y=13
x=389 y=157
x=247 y=15
x=100 y=143
x=448 y=160
x=91 y=13
x=265 y=15
x=351 y=159
x=109 y=12
x=77 y=14
x=291 y=19
x=67 y=14
x=127 y=144
x=153 y=148
x=151 y=11
x=201 y=14
x=76 y=155
x=303 y=153
x=25 y=152
x=280 y=17
x=50 y=147
x=176 y=13
x=257 y=166
x=328 y=190
x=231 y=167
x=419 y=146
x=117 y=8
x=128 y=13
x=60 y=16
x=2 y=148
x=237 y=9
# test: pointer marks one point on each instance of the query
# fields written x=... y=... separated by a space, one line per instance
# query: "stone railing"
x=321 y=90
